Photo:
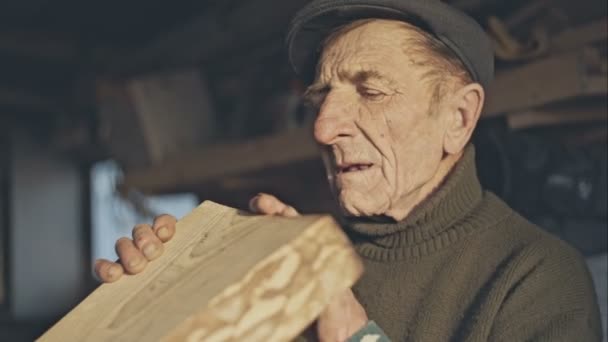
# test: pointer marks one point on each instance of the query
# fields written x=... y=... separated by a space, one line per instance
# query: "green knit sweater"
x=465 y=267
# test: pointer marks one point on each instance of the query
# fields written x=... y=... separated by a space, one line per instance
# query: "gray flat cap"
x=454 y=28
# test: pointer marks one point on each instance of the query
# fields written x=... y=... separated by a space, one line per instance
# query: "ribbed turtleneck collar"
x=433 y=224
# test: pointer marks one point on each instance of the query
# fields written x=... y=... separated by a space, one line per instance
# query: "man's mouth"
x=347 y=168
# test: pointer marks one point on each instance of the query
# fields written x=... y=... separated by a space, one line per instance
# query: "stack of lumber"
x=552 y=67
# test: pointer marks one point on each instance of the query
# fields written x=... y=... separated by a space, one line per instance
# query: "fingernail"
x=149 y=251
x=291 y=212
x=113 y=271
x=163 y=233
x=134 y=262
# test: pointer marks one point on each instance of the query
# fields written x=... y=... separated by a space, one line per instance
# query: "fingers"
x=266 y=204
x=147 y=242
x=147 y=245
x=164 y=227
x=131 y=258
x=107 y=271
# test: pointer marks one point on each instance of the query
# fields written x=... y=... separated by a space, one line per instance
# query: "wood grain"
x=225 y=276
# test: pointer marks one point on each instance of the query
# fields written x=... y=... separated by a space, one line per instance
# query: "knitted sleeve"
x=554 y=301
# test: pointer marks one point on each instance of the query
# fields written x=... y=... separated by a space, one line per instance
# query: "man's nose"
x=335 y=119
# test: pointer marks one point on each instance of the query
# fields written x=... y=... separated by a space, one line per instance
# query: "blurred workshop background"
x=114 y=111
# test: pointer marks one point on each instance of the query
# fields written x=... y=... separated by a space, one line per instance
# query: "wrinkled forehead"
x=374 y=47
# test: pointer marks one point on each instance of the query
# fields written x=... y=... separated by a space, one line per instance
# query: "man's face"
x=382 y=146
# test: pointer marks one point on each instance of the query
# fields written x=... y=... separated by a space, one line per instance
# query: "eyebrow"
x=358 y=77
x=363 y=76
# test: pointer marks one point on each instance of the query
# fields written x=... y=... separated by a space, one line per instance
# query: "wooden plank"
x=225 y=276
x=223 y=160
x=174 y=110
x=553 y=79
x=151 y=117
x=581 y=36
x=556 y=116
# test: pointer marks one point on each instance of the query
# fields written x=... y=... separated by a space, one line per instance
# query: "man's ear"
x=465 y=109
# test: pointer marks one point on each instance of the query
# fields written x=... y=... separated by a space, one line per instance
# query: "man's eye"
x=371 y=94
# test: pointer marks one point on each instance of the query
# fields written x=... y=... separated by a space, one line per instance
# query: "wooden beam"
x=301 y=184
x=224 y=160
x=559 y=115
x=580 y=36
x=225 y=276
x=556 y=78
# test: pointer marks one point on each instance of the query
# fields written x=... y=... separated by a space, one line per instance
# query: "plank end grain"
x=225 y=276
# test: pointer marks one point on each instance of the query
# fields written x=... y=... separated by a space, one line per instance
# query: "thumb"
x=266 y=204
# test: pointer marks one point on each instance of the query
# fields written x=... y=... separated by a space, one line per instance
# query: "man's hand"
x=147 y=241
x=146 y=245
x=265 y=204
x=344 y=316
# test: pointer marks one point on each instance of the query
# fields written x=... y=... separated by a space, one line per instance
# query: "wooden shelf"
x=231 y=163
x=558 y=78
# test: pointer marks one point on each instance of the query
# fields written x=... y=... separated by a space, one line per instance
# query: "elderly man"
x=399 y=87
